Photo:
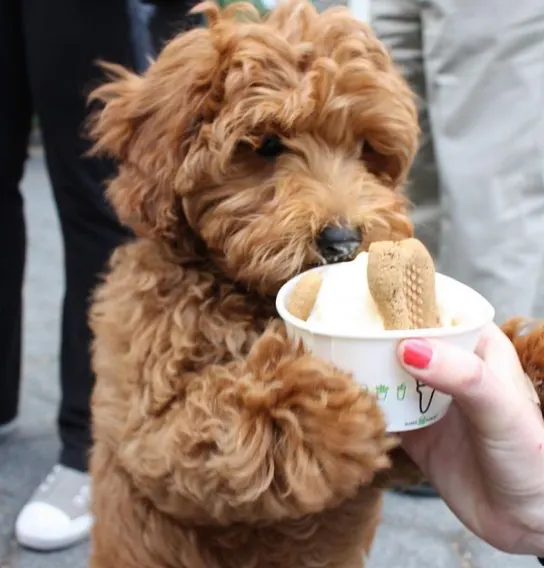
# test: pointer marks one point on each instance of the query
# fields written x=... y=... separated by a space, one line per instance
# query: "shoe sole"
x=50 y=545
x=44 y=545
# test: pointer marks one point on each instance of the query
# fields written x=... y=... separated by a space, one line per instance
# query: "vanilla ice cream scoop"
x=344 y=301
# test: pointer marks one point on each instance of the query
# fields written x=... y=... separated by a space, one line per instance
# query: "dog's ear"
x=149 y=123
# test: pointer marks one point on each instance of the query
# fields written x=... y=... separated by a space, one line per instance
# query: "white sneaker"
x=57 y=515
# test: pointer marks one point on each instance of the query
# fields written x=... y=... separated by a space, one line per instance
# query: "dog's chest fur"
x=176 y=311
x=168 y=331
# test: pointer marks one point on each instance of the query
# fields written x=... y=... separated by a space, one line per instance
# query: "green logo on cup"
x=381 y=392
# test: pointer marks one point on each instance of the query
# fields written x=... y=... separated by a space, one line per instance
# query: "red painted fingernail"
x=417 y=353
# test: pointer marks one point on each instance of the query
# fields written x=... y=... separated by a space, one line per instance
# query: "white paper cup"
x=372 y=360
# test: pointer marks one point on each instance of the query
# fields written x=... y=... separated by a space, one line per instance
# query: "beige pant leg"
x=398 y=24
x=484 y=63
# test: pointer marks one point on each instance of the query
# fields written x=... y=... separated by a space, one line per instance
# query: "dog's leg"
x=128 y=532
x=403 y=472
x=527 y=335
x=279 y=435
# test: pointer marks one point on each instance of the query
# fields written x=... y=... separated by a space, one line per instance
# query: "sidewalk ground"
x=416 y=533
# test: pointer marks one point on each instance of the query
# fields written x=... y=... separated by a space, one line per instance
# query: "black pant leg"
x=65 y=38
x=169 y=18
x=15 y=117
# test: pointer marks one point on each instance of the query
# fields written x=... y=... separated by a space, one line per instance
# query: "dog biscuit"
x=401 y=280
x=302 y=299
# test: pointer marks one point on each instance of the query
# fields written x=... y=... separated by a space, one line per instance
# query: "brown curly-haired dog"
x=249 y=151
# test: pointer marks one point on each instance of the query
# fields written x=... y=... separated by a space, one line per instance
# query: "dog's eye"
x=375 y=162
x=271 y=147
x=370 y=156
x=367 y=150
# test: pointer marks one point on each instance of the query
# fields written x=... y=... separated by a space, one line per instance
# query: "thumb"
x=484 y=384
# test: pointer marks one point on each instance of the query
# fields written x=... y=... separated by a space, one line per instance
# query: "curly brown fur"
x=186 y=132
x=217 y=441
x=527 y=335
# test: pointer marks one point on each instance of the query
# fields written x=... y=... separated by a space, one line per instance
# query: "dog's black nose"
x=338 y=243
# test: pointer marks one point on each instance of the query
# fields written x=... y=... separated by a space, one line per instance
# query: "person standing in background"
x=478 y=68
x=48 y=55
x=168 y=18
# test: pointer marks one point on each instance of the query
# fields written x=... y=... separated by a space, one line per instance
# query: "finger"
x=485 y=393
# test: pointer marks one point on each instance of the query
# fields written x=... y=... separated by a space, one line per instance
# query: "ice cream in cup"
x=348 y=315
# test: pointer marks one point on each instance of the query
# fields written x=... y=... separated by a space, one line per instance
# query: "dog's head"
x=270 y=145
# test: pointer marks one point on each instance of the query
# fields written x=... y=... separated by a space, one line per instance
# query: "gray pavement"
x=416 y=533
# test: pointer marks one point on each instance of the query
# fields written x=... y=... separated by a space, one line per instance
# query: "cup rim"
x=488 y=315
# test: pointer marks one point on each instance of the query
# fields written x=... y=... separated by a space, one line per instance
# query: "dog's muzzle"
x=337 y=244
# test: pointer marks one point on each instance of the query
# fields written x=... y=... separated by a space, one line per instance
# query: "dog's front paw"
x=527 y=335
x=330 y=436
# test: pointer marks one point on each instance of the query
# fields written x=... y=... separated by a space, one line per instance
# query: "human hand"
x=486 y=456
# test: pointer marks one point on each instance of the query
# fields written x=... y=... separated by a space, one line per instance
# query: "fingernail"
x=417 y=353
